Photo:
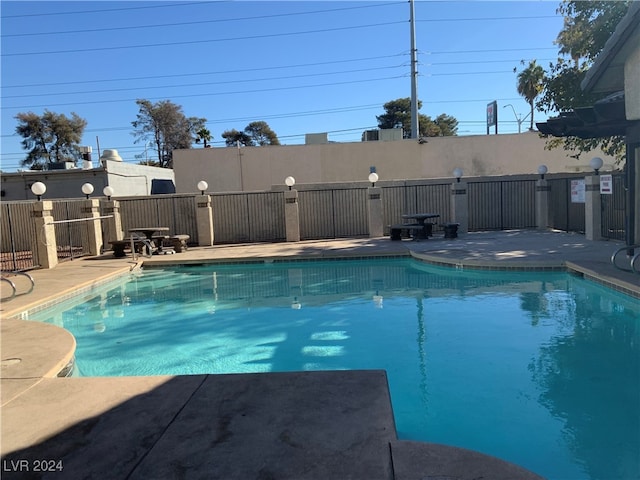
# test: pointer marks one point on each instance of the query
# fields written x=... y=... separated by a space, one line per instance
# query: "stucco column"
x=460 y=206
x=374 y=211
x=93 y=239
x=44 y=244
x=204 y=220
x=113 y=225
x=592 y=208
x=291 y=215
x=543 y=191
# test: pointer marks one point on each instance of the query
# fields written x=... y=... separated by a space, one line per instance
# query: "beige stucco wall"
x=258 y=168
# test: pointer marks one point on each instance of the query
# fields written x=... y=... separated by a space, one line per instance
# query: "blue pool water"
x=539 y=369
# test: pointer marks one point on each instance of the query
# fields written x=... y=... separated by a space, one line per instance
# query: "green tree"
x=164 y=125
x=203 y=135
x=530 y=85
x=50 y=138
x=261 y=134
x=255 y=134
x=587 y=27
x=398 y=115
x=233 y=137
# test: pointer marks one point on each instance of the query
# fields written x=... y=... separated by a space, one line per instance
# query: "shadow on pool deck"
x=278 y=425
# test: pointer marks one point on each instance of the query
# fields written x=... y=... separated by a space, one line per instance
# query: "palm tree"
x=204 y=135
x=530 y=84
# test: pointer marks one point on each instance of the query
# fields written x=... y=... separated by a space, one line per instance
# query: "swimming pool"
x=540 y=369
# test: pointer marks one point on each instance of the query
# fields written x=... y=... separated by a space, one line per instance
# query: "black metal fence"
x=494 y=204
x=613 y=209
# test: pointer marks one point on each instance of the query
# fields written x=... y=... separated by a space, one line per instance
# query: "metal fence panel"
x=316 y=214
x=485 y=211
x=266 y=216
x=18 y=232
x=563 y=213
x=248 y=217
x=333 y=213
x=613 y=210
x=518 y=204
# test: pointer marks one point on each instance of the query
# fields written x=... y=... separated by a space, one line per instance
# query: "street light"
x=38 y=189
x=519 y=120
x=458 y=174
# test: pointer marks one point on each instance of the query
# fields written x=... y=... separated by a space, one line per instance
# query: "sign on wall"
x=606 y=184
x=577 y=191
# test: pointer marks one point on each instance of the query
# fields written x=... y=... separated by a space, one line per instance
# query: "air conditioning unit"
x=370 y=136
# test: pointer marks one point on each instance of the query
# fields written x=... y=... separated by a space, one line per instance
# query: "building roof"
x=607 y=72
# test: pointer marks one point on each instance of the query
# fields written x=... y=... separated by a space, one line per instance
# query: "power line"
x=197 y=42
x=205 y=83
x=295 y=87
x=199 y=22
x=220 y=72
x=77 y=12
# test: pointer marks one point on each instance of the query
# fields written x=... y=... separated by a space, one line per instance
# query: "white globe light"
x=202 y=186
x=289 y=181
x=87 y=189
x=108 y=191
x=596 y=163
x=373 y=177
x=38 y=188
x=457 y=172
x=542 y=169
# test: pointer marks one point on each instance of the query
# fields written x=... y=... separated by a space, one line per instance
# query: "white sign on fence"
x=577 y=191
x=606 y=184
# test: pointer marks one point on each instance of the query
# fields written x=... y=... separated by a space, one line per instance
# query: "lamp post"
x=458 y=174
x=108 y=192
x=38 y=189
x=373 y=178
x=202 y=186
x=596 y=163
x=542 y=170
x=87 y=189
x=518 y=119
x=289 y=181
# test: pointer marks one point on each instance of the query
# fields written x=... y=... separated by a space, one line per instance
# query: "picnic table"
x=155 y=235
x=421 y=220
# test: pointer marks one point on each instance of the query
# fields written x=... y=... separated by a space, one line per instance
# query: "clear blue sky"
x=303 y=67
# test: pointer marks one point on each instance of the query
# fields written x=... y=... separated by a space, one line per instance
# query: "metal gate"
x=563 y=213
x=18 y=231
x=613 y=210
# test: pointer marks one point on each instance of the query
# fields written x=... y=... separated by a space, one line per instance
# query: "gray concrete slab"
x=300 y=425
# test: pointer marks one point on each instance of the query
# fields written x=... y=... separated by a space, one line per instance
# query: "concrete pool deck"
x=290 y=425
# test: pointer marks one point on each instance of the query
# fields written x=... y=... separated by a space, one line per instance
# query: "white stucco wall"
x=126 y=179
x=258 y=168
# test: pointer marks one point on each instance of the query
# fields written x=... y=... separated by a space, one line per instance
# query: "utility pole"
x=415 y=133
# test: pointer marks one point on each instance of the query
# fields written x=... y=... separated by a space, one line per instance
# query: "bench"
x=178 y=242
x=396 y=230
x=450 y=229
x=119 y=246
